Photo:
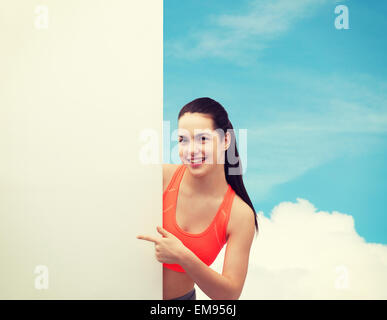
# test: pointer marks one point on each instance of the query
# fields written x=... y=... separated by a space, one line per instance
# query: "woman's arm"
x=229 y=284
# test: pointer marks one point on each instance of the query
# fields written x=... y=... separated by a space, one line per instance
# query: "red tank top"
x=207 y=244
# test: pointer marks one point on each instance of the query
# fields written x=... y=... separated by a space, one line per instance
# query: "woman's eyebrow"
x=197 y=135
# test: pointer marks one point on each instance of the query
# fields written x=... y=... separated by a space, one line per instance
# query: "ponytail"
x=236 y=180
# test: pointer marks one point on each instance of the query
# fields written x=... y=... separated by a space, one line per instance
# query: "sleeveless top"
x=205 y=245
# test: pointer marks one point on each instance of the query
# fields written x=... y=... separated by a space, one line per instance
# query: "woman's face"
x=201 y=147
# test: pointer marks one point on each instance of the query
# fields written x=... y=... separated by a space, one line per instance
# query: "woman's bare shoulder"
x=241 y=216
x=168 y=171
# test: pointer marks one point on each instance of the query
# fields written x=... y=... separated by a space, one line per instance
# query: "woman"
x=205 y=205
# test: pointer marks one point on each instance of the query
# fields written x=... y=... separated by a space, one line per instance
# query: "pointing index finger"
x=148 y=238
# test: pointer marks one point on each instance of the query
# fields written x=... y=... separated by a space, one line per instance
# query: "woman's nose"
x=194 y=148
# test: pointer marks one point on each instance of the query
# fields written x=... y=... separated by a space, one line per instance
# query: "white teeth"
x=197 y=161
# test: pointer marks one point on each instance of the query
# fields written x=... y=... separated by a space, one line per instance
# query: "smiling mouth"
x=195 y=161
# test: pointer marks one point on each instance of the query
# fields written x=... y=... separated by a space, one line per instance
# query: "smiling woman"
x=205 y=206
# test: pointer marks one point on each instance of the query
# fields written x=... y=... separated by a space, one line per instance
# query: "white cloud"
x=266 y=18
x=232 y=36
x=303 y=253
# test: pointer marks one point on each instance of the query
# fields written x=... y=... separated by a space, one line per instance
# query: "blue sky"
x=313 y=98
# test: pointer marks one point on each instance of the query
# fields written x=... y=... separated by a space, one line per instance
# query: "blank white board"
x=79 y=82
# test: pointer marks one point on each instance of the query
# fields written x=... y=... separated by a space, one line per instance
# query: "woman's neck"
x=213 y=183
